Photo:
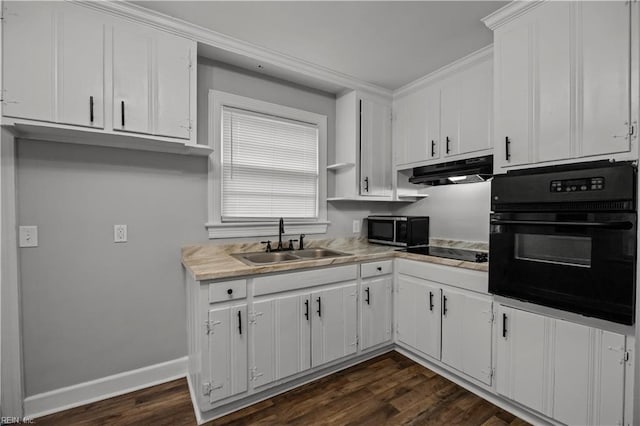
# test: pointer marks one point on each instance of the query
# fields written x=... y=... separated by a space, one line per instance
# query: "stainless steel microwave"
x=402 y=231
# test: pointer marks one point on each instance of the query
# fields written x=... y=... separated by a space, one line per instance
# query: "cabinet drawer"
x=227 y=290
x=373 y=269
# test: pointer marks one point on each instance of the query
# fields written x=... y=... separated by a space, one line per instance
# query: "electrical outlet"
x=119 y=233
x=28 y=236
x=356 y=226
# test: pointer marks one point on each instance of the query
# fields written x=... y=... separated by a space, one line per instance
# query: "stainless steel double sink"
x=264 y=258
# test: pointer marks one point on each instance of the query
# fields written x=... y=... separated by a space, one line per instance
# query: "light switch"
x=28 y=236
x=356 y=226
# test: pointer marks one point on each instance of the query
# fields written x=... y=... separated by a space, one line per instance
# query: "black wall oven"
x=565 y=237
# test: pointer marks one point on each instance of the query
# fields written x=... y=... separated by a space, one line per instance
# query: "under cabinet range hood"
x=471 y=170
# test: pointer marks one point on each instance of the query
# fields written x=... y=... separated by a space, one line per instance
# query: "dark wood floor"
x=387 y=390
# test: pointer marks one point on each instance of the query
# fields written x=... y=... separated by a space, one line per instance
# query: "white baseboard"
x=95 y=390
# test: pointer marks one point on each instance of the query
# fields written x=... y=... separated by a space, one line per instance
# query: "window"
x=269 y=167
x=267 y=164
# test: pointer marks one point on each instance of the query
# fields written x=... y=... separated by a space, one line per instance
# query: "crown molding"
x=509 y=12
x=484 y=54
x=215 y=39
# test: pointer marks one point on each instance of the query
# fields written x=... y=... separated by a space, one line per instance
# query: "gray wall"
x=457 y=212
x=92 y=308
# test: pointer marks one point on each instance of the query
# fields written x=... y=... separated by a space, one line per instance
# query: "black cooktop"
x=451 y=253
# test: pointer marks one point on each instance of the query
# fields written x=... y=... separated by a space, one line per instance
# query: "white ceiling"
x=386 y=43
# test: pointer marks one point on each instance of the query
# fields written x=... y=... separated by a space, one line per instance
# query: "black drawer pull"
x=431 y=301
x=239 y=322
x=306 y=309
x=444 y=306
x=319 y=300
x=368 y=299
x=230 y=291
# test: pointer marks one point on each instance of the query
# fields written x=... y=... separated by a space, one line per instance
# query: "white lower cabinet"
x=295 y=331
x=419 y=318
x=569 y=372
x=466 y=332
x=446 y=323
x=227 y=348
x=375 y=308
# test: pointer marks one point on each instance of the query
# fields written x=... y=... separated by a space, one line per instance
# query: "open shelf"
x=340 y=166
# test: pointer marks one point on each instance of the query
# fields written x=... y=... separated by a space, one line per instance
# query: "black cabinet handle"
x=448 y=148
x=366 y=184
x=230 y=291
x=239 y=322
x=507 y=150
x=368 y=299
x=91 y=109
x=379 y=268
x=433 y=148
x=306 y=309
x=319 y=300
x=504 y=325
x=122 y=112
x=444 y=306
x=431 y=301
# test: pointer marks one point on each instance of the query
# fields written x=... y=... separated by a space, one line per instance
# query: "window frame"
x=259 y=228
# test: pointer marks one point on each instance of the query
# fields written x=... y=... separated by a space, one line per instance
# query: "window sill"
x=263 y=229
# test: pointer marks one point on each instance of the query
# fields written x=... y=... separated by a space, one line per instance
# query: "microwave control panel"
x=577 y=185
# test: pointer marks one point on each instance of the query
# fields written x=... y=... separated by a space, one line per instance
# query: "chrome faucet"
x=280 y=232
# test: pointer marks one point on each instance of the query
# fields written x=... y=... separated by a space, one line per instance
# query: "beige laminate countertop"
x=213 y=262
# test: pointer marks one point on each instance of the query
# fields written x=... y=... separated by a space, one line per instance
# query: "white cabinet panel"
x=521 y=372
x=466 y=333
x=554 y=85
x=419 y=317
x=131 y=78
x=81 y=81
x=264 y=343
x=334 y=324
x=605 y=66
x=376 y=311
x=513 y=105
x=375 y=148
x=292 y=335
x=173 y=86
x=609 y=397
x=450 y=116
x=27 y=60
x=227 y=340
x=476 y=108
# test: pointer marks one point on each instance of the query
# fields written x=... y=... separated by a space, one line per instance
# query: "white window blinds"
x=269 y=167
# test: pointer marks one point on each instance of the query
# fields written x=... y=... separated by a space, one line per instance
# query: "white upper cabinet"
x=604 y=76
x=562 y=82
x=375 y=147
x=66 y=63
x=28 y=60
x=81 y=83
x=450 y=116
x=174 y=63
x=131 y=76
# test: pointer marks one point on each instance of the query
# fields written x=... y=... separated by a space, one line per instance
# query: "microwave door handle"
x=603 y=225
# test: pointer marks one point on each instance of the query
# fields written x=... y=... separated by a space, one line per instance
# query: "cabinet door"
x=553 y=53
x=522 y=365
x=131 y=78
x=466 y=333
x=174 y=75
x=81 y=42
x=432 y=100
x=264 y=343
x=333 y=327
x=513 y=94
x=450 y=116
x=603 y=76
x=375 y=148
x=589 y=375
x=476 y=108
x=375 y=305
x=227 y=340
x=419 y=317
x=27 y=57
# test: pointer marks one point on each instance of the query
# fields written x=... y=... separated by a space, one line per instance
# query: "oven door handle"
x=602 y=225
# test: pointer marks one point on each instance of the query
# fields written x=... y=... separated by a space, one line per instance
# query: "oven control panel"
x=577 y=185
